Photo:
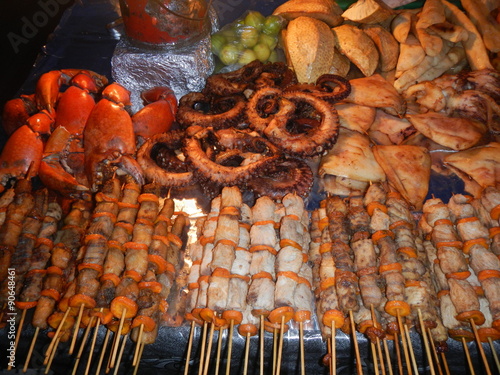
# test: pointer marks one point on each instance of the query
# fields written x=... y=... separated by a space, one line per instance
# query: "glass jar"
x=165 y=22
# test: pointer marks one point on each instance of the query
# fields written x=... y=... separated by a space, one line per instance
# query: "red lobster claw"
x=42 y=122
x=22 y=152
x=73 y=109
x=49 y=84
x=160 y=93
x=109 y=138
x=17 y=111
x=51 y=172
x=157 y=116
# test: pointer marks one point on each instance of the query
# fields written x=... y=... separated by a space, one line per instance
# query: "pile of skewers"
x=370 y=273
x=120 y=261
x=250 y=268
x=111 y=259
x=372 y=266
x=376 y=265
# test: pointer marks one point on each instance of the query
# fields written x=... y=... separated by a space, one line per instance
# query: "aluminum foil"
x=182 y=68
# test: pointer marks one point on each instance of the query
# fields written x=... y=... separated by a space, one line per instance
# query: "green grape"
x=230 y=33
x=255 y=19
x=268 y=40
x=249 y=36
x=239 y=22
x=262 y=51
x=218 y=41
x=247 y=56
x=272 y=25
x=273 y=57
x=230 y=53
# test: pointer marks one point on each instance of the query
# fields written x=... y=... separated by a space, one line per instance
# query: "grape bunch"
x=252 y=36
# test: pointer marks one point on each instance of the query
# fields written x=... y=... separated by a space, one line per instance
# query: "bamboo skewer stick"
x=138 y=345
x=379 y=348
x=92 y=345
x=202 y=351
x=433 y=351
x=247 y=351
x=388 y=357
x=82 y=345
x=494 y=353
x=398 y=353
x=410 y=349
x=261 y=344
x=280 y=345
x=404 y=343
x=114 y=349
x=359 y=367
x=329 y=351
x=229 y=347
x=275 y=349
x=480 y=347
x=445 y=364
x=101 y=357
x=374 y=355
x=209 y=349
x=380 y=355
x=76 y=328
x=52 y=355
x=190 y=346
x=467 y=355
x=30 y=351
x=116 y=340
x=333 y=357
x=426 y=343
x=56 y=335
x=120 y=354
x=139 y=359
x=219 y=346
x=19 y=330
x=302 y=352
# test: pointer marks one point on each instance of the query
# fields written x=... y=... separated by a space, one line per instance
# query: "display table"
x=86 y=38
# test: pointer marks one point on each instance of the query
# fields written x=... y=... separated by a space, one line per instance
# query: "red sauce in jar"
x=164 y=21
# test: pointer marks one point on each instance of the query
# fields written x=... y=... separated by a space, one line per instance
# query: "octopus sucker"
x=257 y=155
x=160 y=163
x=196 y=108
x=316 y=140
x=290 y=175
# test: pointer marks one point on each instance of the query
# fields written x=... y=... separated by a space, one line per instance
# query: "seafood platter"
x=329 y=201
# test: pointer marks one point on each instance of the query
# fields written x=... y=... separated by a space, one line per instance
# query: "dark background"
x=25 y=27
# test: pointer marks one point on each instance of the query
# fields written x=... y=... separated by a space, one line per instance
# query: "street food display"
x=316 y=212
